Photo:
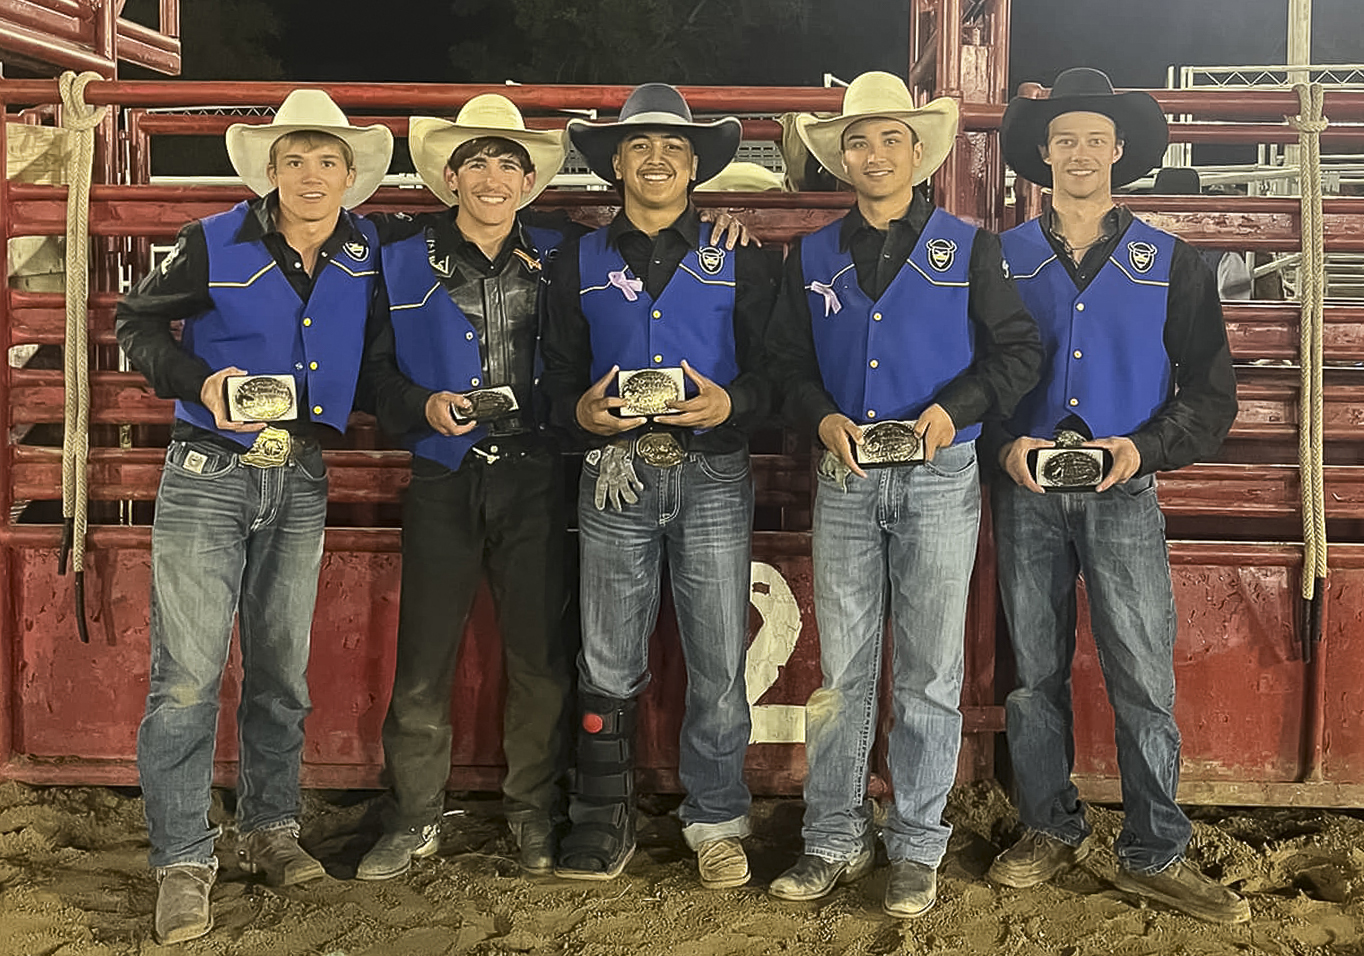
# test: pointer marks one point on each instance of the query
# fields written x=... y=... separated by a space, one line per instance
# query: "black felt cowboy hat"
x=657 y=106
x=1137 y=115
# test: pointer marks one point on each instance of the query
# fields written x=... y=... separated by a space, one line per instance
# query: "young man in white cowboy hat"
x=1136 y=354
x=897 y=313
x=279 y=286
x=486 y=494
x=643 y=295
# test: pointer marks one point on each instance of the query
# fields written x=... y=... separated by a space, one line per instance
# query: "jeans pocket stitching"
x=714 y=475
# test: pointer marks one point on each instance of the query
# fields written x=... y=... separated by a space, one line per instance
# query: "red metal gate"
x=1260 y=723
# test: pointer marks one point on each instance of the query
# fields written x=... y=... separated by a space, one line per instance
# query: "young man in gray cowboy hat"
x=667 y=473
x=1136 y=354
x=279 y=286
x=897 y=319
x=462 y=324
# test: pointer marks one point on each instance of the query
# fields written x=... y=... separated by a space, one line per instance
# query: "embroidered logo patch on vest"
x=357 y=250
x=441 y=267
x=1142 y=255
x=712 y=260
x=941 y=254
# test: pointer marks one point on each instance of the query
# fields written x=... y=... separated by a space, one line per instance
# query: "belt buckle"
x=272 y=448
x=660 y=449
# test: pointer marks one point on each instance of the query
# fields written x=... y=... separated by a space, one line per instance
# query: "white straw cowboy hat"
x=878 y=94
x=248 y=146
x=658 y=106
x=431 y=141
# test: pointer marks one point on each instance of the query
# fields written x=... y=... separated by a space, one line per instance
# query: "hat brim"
x=248 y=147
x=431 y=140
x=714 y=143
x=1145 y=132
x=934 y=124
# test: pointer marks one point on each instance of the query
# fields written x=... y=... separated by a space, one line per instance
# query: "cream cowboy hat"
x=878 y=94
x=431 y=141
x=248 y=146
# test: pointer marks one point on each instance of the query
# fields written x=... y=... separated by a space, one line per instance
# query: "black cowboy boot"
x=602 y=809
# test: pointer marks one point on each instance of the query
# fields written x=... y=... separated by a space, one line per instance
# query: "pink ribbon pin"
x=831 y=303
x=631 y=287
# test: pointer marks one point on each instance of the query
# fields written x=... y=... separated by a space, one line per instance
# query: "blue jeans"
x=228 y=538
x=699 y=513
x=1117 y=541
x=914 y=527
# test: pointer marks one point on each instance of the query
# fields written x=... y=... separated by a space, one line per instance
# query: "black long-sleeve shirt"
x=177 y=289
x=567 y=343
x=1008 y=350
x=1191 y=425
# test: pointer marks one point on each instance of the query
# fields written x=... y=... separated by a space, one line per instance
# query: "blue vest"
x=1105 y=347
x=887 y=359
x=259 y=323
x=436 y=344
x=693 y=318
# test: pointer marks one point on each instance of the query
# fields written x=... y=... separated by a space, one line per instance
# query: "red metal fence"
x=1260 y=723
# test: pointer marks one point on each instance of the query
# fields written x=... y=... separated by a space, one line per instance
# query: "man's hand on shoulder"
x=727 y=229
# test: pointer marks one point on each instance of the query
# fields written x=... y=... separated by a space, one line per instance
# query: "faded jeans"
x=700 y=514
x=903 y=539
x=1117 y=541
x=228 y=539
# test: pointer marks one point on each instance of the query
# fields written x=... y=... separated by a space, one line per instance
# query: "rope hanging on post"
x=81 y=119
x=1310 y=123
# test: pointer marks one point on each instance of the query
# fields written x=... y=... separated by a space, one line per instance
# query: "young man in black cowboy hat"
x=1136 y=355
x=683 y=322
x=898 y=319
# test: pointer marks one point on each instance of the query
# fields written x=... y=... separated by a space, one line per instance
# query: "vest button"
x=469 y=336
x=658 y=314
x=1074 y=402
x=317 y=409
x=1079 y=354
x=307 y=322
x=871 y=413
x=493 y=449
x=876 y=316
x=658 y=358
x=874 y=363
x=313 y=366
x=1079 y=307
x=473 y=381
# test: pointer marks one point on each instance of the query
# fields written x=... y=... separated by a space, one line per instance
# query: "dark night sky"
x=1133 y=41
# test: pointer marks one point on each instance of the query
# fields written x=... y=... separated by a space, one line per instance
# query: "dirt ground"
x=74 y=882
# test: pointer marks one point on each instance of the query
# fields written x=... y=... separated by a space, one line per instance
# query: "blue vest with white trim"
x=1105 y=347
x=435 y=343
x=692 y=319
x=259 y=323
x=886 y=359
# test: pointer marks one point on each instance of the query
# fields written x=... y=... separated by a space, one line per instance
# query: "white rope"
x=80 y=119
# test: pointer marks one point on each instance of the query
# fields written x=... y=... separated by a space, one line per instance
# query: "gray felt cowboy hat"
x=652 y=107
x=877 y=94
x=248 y=145
x=431 y=141
x=1137 y=115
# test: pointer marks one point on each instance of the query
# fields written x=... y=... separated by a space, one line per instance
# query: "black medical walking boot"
x=602 y=810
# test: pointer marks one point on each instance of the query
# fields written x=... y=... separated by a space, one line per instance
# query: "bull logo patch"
x=1142 y=255
x=941 y=254
x=712 y=260
x=357 y=250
